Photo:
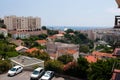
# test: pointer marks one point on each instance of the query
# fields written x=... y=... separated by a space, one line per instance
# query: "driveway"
x=25 y=75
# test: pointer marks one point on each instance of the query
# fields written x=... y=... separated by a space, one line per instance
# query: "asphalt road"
x=25 y=75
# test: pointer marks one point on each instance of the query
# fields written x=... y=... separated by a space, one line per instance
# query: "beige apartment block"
x=22 y=23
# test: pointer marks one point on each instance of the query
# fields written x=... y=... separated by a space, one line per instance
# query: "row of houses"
x=93 y=57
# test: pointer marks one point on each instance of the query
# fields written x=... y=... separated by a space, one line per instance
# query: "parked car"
x=37 y=73
x=15 y=70
x=47 y=76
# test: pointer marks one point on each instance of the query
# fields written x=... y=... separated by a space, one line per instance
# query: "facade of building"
x=22 y=23
x=26 y=34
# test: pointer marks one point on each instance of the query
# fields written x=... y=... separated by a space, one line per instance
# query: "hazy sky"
x=64 y=12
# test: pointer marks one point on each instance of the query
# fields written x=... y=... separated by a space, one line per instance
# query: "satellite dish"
x=118 y=3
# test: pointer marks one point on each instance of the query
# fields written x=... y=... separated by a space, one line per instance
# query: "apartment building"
x=22 y=23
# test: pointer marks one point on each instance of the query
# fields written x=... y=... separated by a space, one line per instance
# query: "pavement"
x=25 y=75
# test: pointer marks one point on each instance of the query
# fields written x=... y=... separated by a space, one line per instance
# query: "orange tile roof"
x=68 y=51
x=31 y=50
x=101 y=54
x=41 y=41
x=59 y=35
x=52 y=37
x=71 y=51
x=91 y=58
x=61 y=32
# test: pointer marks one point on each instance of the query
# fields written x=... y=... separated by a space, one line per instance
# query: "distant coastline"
x=78 y=27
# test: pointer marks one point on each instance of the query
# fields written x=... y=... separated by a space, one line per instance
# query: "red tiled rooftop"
x=68 y=51
x=52 y=37
x=41 y=41
x=91 y=58
x=59 y=35
x=101 y=54
x=31 y=50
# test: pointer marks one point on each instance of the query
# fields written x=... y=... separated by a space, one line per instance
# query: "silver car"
x=48 y=75
x=37 y=73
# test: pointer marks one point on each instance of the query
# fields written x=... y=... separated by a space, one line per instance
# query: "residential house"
x=59 y=36
x=71 y=52
x=21 y=49
x=4 y=32
x=51 y=38
x=23 y=34
x=17 y=42
x=42 y=42
x=91 y=59
x=101 y=55
x=32 y=50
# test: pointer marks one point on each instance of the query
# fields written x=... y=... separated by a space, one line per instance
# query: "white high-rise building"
x=22 y=23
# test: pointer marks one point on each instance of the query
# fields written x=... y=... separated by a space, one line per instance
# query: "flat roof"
x=26 y=61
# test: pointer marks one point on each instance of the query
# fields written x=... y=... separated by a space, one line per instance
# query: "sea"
x=77 y=27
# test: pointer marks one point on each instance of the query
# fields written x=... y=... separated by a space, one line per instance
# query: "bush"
x=65 y=59
x=4 y=65
x=54 y=65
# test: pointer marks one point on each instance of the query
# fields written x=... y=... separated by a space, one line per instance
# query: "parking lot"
x=25 y=75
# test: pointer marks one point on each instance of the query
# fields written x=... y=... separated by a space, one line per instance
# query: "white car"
x=37 y=73
x=47 y=76
x=15 y=70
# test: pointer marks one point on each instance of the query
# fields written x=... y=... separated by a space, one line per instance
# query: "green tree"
x=2 y=36
x=42 y=55
x=69 y=31
x=101 y=70
x=82 y=68
x=2 y=25
x=71 y=70
x=76 y=38
x=42 y=36
x=44 y=28
x=52 y=32
x=84 y=48
x=65 y=59
x=7 y=50
x=54 y=65
x=4 y=65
